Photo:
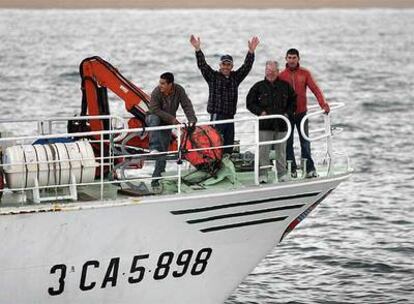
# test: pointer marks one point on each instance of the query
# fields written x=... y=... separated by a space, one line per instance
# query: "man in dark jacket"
x=165 y=99
x=223 y=87
x=268 y=97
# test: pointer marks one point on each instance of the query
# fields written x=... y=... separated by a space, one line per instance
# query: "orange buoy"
x=205 y=138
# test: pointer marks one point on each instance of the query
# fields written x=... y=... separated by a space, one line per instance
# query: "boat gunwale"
x=166 y=198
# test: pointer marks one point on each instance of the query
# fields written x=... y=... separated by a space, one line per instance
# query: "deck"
x=120 y=172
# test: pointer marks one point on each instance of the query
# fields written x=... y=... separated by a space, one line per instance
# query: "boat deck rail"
x=114 y=149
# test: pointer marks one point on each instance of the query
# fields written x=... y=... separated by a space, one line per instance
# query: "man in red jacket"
x=301 y=79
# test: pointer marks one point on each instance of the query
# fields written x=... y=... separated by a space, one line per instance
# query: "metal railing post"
x=289 y=169
x=329 y=150
x=257 y=149
x=40 y=128
x=327 y=133
x=179 y=160
x=102 y=165
x=50 y=127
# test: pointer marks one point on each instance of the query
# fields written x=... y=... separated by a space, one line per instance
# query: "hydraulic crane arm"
x=99 y=75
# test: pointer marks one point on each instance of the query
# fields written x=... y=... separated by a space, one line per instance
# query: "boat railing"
x=324 y=133
x=111 y=152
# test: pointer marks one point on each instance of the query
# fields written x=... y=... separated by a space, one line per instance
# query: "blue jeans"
x=226 y=130
x=158 y=140
x=305 y=146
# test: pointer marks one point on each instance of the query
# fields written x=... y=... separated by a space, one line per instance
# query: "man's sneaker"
x=311 y=174
x=294 y=174
x=156 y=186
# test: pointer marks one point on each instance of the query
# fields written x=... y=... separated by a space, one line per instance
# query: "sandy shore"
x=300 y=4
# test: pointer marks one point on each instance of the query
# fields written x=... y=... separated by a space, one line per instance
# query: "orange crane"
x=98 y=76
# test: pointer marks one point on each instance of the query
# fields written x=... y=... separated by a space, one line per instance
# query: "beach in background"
x=259 y=4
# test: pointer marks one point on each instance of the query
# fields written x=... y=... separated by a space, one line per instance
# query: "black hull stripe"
x=204 y=209
x=237 y=225
x=246 y=213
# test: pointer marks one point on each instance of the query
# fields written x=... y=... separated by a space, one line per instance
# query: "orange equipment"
x=99 y=75
x=203 y=139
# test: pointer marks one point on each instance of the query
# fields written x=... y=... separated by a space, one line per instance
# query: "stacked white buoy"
x=50 y=164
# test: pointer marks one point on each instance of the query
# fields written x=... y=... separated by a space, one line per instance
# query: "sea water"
x=358 y=246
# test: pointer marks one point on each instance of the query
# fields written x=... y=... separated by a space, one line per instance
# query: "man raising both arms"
x=301 y=79
x=223 y=87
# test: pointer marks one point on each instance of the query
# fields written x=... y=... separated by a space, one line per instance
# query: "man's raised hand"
x=195 y=42
x=252 y=43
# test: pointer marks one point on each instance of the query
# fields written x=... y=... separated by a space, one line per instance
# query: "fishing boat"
x=80 y=223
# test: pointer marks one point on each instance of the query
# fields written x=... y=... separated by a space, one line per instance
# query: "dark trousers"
x=305 y=146
x=158 y=140
x=226 y=130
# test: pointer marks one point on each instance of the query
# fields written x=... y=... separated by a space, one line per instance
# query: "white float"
x=33 y=166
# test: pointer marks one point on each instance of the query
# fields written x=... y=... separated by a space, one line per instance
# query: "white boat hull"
x=171 y=249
